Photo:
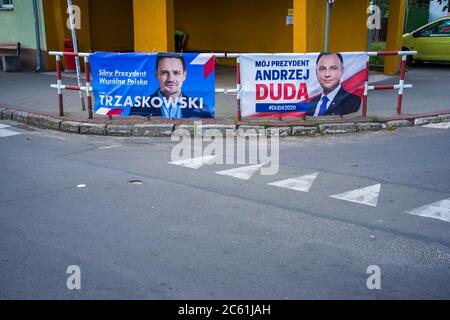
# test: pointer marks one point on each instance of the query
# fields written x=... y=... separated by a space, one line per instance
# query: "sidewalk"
x=30 y=91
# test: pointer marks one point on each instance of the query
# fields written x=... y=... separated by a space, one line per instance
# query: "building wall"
x=106 y=25
x=416 y=17
x=18 y=25
x=348 y=29
x=111 y=25
x=234 y=25
x=315 y=27
x=56 y=16
x=153 y=25
x=348 y=25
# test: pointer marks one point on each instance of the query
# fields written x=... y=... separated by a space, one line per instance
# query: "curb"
x=166 y=130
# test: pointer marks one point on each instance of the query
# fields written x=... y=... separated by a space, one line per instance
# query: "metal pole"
x=327 y=26
x=238 y=87
x=369 y=34
x=59 y=81
x=366 y=85
x=401 y=84
x=38 y=37
x=75 y=49
x=87 y=71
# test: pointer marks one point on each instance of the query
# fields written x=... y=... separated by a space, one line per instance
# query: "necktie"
x=323 y=106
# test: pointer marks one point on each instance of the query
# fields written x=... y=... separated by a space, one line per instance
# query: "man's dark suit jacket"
x=344 y=103
x=185 y=112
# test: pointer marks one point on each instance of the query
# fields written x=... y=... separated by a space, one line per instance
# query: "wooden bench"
x=12 y=51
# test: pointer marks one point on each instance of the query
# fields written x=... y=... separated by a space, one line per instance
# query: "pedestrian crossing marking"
x=302 y=183
x=367 y=196
x=243 y=173
x=8 y=133
x=438 y=210
x=195 y=163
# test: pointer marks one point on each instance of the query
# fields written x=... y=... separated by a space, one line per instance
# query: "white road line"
x=302 y=183
x=442 y=125
x=8 y=133
x=368 y=196
x=195 y=163
x=3 y=126
x=438 y=210
x=243 y=173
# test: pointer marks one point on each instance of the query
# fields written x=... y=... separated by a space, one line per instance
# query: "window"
x=443 y=30
x=6 y=4
x=439 y=29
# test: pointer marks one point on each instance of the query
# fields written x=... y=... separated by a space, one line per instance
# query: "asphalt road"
x=194 y=234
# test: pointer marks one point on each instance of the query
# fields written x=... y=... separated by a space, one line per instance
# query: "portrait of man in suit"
x=169 y=101
x=334 y=100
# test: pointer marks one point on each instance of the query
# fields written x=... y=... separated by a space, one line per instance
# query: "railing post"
x=59 y=83
x=401 y=84
x=238 y=87
x=366 y=91
x=87 y=72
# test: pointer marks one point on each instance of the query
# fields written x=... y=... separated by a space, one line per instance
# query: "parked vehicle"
x=431 y=41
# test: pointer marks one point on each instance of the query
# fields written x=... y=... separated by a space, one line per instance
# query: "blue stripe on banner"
x=282 y=107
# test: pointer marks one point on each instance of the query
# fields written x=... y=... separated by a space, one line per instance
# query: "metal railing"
x=367 y=87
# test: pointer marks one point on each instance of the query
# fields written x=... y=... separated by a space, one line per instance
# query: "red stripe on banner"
x=355 y=84
x=265 y=115
x=115 y=112
x=210 y=66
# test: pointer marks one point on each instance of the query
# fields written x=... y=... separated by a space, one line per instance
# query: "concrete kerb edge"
x=426 y=120
x=98 y=129
x=166 y=130
x=44 y=122
x=70 y=126
x=20 y=116
x=152 y=130
x=1 y=112
x=7 y=114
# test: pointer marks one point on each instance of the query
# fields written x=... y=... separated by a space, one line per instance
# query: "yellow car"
x=431 y=41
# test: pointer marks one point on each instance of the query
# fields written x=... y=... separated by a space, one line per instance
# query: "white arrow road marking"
x=443 y=125
x=438 y=210
x=368 y=196
x=3 y=126
x=302 y=183
x=243 y=173
x=195 y=163
x=8 y=133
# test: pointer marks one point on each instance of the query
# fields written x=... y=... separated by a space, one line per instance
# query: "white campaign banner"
x=295 y=84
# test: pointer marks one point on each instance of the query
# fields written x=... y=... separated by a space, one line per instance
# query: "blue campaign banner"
x=167 y=85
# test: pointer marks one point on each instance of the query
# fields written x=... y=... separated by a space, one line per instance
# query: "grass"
x=377 y=46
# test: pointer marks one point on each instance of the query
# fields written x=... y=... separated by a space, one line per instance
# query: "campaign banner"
x=167 y=85
x=294 y=85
